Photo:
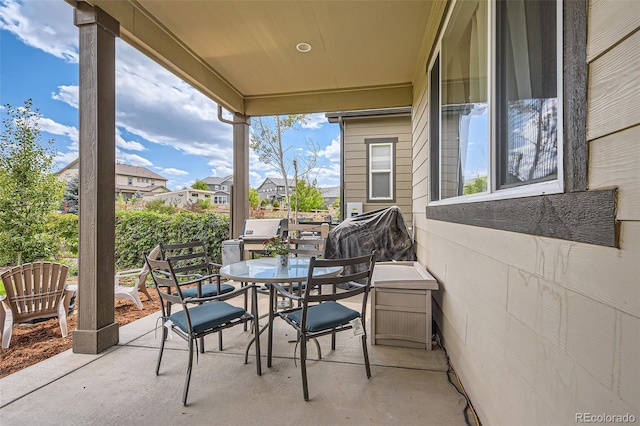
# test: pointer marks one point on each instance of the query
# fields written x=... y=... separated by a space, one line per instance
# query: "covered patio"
x=538 y=302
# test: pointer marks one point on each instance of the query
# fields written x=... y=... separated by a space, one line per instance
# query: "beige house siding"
x=356 y=131
x=540 y=329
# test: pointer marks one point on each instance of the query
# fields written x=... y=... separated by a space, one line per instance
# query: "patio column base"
x=95 y=341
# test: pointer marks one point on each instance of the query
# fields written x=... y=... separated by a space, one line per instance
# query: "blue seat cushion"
x=325 y=316
x=207 y=316
x=207 y=290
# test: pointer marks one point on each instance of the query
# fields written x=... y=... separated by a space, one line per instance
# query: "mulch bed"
x=32 y=343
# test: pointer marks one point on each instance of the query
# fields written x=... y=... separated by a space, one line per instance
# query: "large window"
x=380 y=169
x=494 y=96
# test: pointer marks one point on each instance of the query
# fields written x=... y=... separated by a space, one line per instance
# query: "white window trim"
x=371 y=172
x=535 y=189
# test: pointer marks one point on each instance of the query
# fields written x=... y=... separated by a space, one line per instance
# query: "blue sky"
x=162 y=123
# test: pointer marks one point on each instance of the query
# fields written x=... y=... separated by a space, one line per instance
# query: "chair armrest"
x=285 y=293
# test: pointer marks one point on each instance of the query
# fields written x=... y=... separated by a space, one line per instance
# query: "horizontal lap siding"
x=542 y=328
x=355 y=161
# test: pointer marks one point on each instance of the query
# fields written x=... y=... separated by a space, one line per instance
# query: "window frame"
x=392 y=143
x=576 y=214
x=554 y=186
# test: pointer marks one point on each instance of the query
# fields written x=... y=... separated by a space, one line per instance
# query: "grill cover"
x=383 y=230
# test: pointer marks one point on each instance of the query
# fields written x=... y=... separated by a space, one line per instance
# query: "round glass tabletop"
x=267 y=270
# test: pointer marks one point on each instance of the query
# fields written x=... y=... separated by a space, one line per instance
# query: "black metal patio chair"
x=190 y=262
x=199 y=315
x=321 y=314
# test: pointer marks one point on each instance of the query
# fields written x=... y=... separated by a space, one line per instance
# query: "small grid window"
x=380 y=167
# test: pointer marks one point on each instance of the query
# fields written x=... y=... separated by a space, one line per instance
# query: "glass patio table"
x=267 y=270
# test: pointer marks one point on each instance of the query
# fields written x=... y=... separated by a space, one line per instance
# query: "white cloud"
x=67 y=94
x=314 y=121
x=221 y=171
x=159 y=107
x=133 y=159
x=328 y=176
x=128 y=145
x=45 y=25
x=172 y=171
x=256 y=165
x=63 y=159
x=332 y=151
x=50 y=126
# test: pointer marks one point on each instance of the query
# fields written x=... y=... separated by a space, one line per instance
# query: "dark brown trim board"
x=586 y=217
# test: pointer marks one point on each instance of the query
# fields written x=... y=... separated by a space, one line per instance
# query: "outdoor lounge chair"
x=34 y=290
x=199 y=315
x=141 y=274
x=321 y=314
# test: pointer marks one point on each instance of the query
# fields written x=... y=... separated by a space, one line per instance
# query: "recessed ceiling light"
x=303 y=47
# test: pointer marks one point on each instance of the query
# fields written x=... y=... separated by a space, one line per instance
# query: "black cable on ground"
x=459 y=388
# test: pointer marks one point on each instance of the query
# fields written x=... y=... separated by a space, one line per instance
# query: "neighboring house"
x=181 y=197
x=376 y=159
x=538 y=304
x=330 y=194
x=221 y=186
x=130 y=180
x=273 y=189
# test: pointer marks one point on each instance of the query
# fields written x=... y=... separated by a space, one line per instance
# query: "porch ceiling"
x=243 y=53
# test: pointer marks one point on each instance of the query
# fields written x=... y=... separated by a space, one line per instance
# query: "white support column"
x=97 y=330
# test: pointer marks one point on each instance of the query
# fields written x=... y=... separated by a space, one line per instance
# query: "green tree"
x=70 y=197
x=479 y=184
x=29 y=191
x=308 y=197
x=336 y=206
x=200 y=184
x=254 y=198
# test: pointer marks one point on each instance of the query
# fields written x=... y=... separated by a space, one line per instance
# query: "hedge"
x=139 y=231
x=136 y=232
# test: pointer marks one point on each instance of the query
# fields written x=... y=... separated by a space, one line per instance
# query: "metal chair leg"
x=270 y=325
x=366 y=356
x=164 y=337
x=254 y=308
x=188 y=378
x=303 y=367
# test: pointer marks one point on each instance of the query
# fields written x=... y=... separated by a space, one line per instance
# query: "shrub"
x=159 y=206
x=140 y=231
x=65 y=229
x=205 y=204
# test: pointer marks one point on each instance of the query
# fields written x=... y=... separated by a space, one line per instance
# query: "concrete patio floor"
x=119 y=386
